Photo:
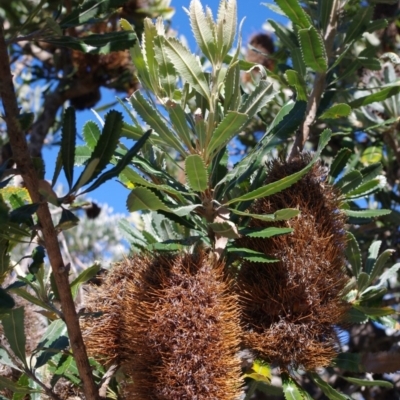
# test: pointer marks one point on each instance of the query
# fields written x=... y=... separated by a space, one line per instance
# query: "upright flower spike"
x=182 y=323
x=290 y=308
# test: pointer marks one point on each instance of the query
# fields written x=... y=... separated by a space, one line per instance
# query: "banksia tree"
x=291 y=306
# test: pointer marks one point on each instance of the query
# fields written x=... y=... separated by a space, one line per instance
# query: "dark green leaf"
x=91 y=134
x=362 y=281
x=14 y=387
x=349 y=362
x=336 y=111
x=24 y=213
x=367 y=382
x=359 y=25
x=380 y=263
x=57 y=169
x=366 y=213
x=68 y=139
x=373 y=252
x=196 y=173
x=83 y=277
x=313 y=49
x=104 y=149
x=324 y=13
x=67 y=220
x=353 y=254
x=265 y=232
x=328 y=390
x=364 y=189
x=53 y=341
x=378 y=96
x=122 y=163
x=13 y=324
x=294 y=79
x=6 y=301
x=287 y=37
x=295 y=12
x=349 y=182
x=251 y=255
x=340 y=162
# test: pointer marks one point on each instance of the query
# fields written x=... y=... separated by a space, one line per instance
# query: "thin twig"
x=24 y=162
x=318 y=87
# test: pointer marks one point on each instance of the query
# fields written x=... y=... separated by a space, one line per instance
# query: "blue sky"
x=113 y=193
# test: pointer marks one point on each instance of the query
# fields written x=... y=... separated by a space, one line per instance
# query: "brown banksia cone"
x=101 y=328
x=290 y=308
x=182 y=324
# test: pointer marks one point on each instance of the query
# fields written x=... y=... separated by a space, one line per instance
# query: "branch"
x=319 y=86
x=24 y=163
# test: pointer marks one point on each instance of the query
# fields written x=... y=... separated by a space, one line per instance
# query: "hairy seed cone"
x=291 y=307
x=173 y=324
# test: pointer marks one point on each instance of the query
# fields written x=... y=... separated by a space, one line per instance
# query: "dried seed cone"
x=102 y=332
x=182 y=322
x=291 y=307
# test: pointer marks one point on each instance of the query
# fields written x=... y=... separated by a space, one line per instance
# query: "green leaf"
x=104 y=149
x=259 y=97
x=226 y=26
x=6 y=301
x=290 y=388
x=6 y=360
x=226 y=130
x=232 y=87
x=83 y=277
x=91 y=134
x=82 y=155
x=349 y=182
x=187 y=66
x=359 y=24
x=68 y=138
x=349 y=362
x=153 y=118
x=121 y=164
x=265 y=232
x=353 y=254
x=354 y=316
x=148 y=48
x=166 y=71
x=250 y=255
x=313 y=49
x=366 y=213
x=365 y=189
x=224 y=229
x=367 y=382
x=362 y=281
x=14 y=387
x=373 y=252
x=336 y=111
x=371 y=171
x=295 y=12
x=178 y=119
x=67 y=220
x=280 y=215
x=287 y=37
x=196 y=173
x=13 y=325
x=324 y=13
x=328 y=390
x=295 y=80
x=371 y=155
x=32 y=299
x=374 y=312
x=378 y=96
x=378 y=266
x=53 y=341
x=203 y=30
x=88 y=10
x=340 y=162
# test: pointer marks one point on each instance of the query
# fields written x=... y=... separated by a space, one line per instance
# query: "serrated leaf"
x=121 y=164
x=373 y=252
x=153 y=118
x=353 y=254
x=349 y=362
x=14 y=387
x=340 y=162
x=196 y=173
x=295 y=80
x=371 y=171
x=364 y=189
x=251 y=255
x=91 y=135
x=187 y=66
x=367 y=382
x=378 y=96
x=313 y=49
x=144 y=199
x=328 y=390
x=354 y=316
x=336 y=111
x=371 y=63
x=149 y=34
x=104 y=149
x=178 y=119
x=295 y=12
x=32 y=299
x=259 y=97
x=362 y=281
x=324 y=13
x=226 y=26
x=374 y=312
x=378 y=266
x=349 y=182
x=67 y=220
x=13 y=325
x=82 y=155
x=53 y=341
x=290 y=388
x=226 y=130
x=68 y=139
x=202 y=30
x=286 y=36
x=371 y=155
x=266 y=232
x=366 y=213
x=280 y=215
x=232 y=87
